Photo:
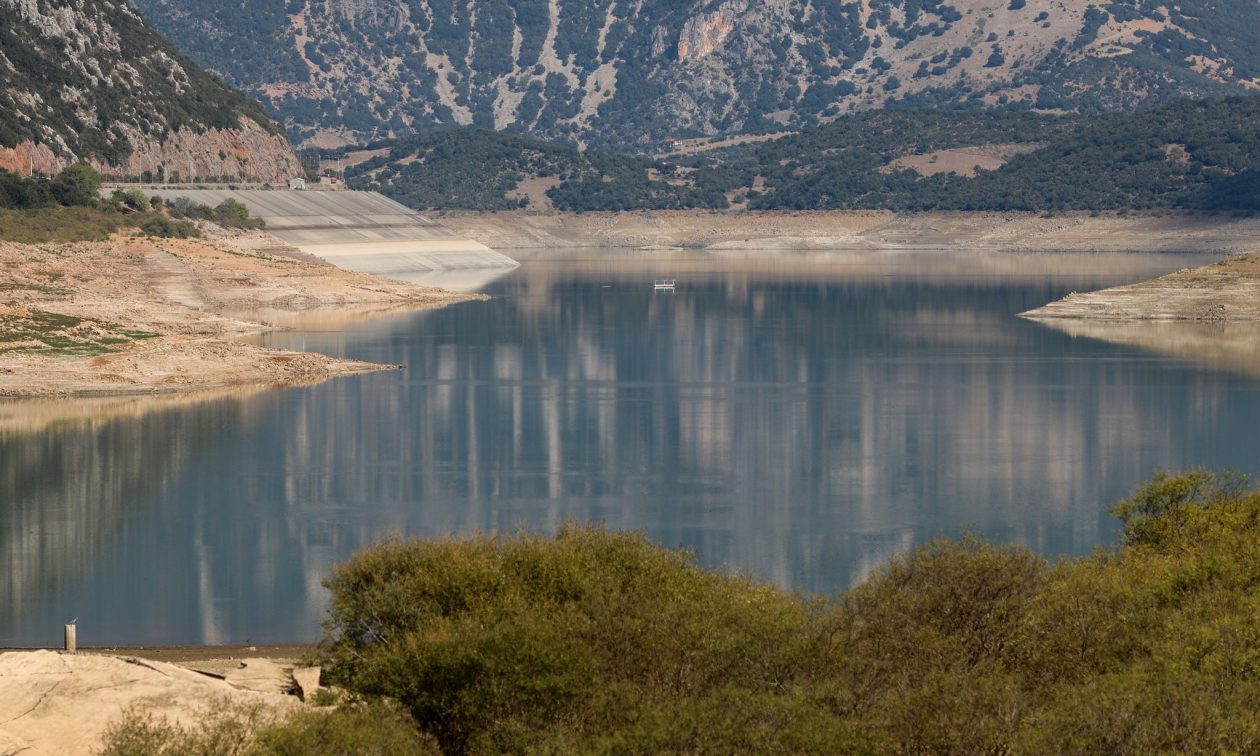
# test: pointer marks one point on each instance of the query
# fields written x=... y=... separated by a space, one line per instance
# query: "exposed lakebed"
x=801 y=419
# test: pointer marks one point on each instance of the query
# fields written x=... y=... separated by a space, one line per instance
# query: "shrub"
x=503 y=644
x=238 y=730
x=76 y=185
x=166 y=228
x=599 y=642
x=136 y=199
x=233 y=214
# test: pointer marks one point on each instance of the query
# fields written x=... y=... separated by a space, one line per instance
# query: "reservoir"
x=800 y=418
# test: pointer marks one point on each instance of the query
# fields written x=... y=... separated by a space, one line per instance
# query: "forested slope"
x=1192 y=155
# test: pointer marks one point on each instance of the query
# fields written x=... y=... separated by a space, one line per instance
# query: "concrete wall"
x=360 y=231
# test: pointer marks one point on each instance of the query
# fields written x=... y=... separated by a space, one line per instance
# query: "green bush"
x=237 y=730
x=233 y=214
x=496 y=644
x=600 y=642
x=136 y=199
x=162 y=227
x=76 y=185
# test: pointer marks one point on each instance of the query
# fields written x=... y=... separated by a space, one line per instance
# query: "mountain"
x=1190 y=155
x=87 y=80
x=619 y=71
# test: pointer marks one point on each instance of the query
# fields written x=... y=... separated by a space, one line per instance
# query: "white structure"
x=297 y=184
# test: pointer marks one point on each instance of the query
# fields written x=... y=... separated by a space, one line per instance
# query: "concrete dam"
x=363 y=231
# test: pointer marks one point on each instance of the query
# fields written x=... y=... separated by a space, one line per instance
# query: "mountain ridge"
x=89 y=81
x=608 y=71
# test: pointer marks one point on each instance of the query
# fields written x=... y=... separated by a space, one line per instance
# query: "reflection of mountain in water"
x=799 y=427
x=802 y=430
x=72 y=488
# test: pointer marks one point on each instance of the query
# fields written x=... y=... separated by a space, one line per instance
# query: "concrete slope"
x=359 y=231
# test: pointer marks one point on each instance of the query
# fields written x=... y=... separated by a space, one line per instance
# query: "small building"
x=297 y=184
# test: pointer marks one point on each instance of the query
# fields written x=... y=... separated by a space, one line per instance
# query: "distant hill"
x=485 y=170
x=612 y=72
x=87 y=80
x=1193 y=155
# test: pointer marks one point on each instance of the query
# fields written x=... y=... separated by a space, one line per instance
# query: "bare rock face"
x=29 y=157
x=705 y=33
x=88 y=81
x=246 y=153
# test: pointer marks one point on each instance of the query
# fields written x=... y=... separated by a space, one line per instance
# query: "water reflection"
x=799 y=422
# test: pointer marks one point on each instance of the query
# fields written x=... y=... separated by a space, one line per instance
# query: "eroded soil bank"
x=137 y=315
x=1076 y=232
x=1227 y=291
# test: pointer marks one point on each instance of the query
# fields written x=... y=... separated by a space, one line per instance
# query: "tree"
x=76 y=185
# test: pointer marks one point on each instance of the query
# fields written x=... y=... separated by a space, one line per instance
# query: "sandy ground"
x=138 y=315
x=1017 y=232
x=1228 y=291
x=57 y=703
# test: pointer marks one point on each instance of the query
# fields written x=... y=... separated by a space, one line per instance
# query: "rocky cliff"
x=87 y=80
x=612 y=70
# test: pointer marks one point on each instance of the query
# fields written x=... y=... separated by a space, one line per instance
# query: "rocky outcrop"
x=703 y=34
x=29 y=157
x=88 y=81
x=247 y=153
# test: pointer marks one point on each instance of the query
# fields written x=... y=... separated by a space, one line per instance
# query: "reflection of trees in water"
x=69 y=490
x=805 y=431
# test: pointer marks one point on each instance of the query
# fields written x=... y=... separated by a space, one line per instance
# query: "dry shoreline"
x=157 y=316
x=1224 y=292
x=53 y=702
x=861 y=230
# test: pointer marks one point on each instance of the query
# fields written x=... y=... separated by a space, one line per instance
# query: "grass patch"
x=43 y=332
x=59 y=224
x=70 y=224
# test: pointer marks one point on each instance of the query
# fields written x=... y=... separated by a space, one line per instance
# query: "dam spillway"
x=360 y=231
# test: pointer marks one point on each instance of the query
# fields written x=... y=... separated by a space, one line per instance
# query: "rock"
x=261 y=676
x=307 y=680
x=53 y=703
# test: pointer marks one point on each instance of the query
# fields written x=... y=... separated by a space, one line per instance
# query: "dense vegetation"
x=1201 y=155
x=677 y=69
x=1190 y=155
x=68 y=207
x=597 y=642
x=482 y=170
x=600 y=642
x=87 y=82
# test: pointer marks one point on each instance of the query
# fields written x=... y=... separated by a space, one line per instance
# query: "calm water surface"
x=800 y=422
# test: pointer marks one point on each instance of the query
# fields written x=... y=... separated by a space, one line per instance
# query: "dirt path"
x=140 y=316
